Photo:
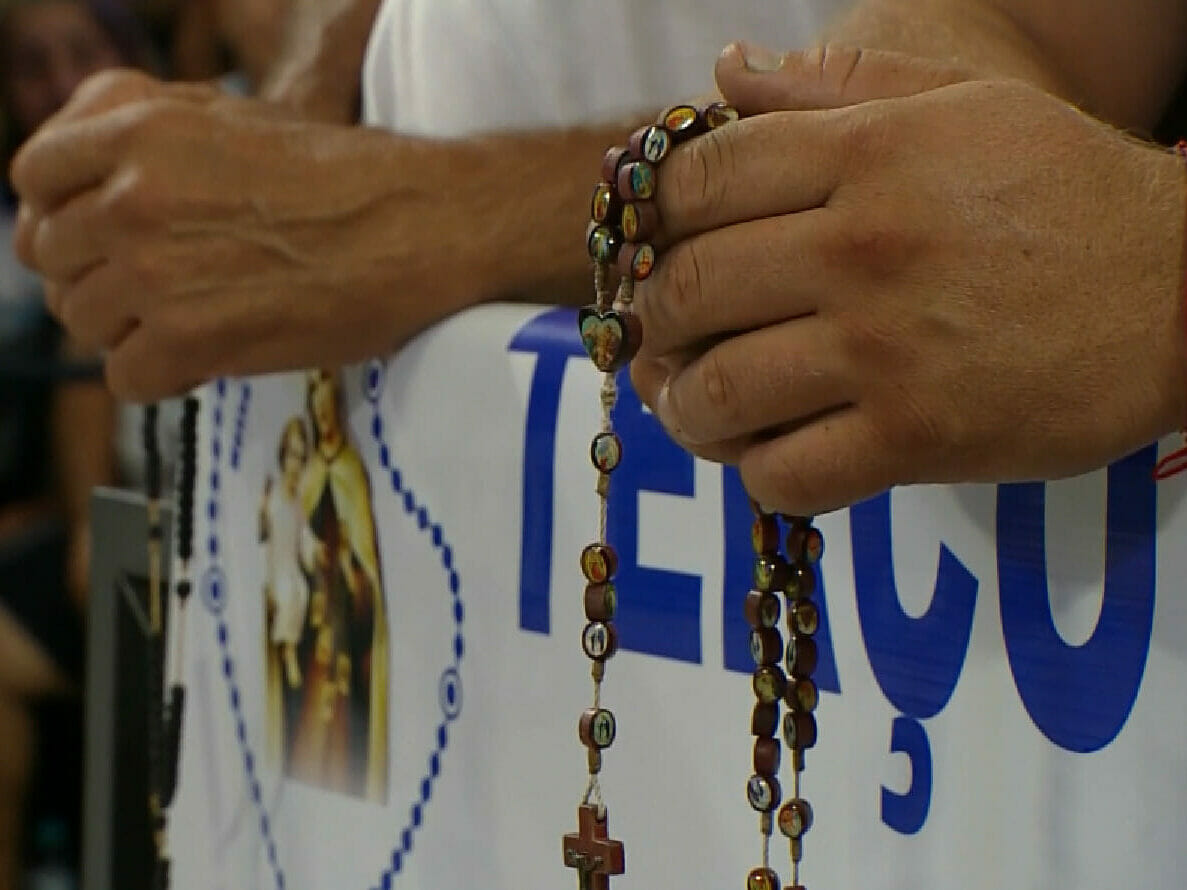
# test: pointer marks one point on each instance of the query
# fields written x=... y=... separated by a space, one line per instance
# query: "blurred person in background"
x=55 y=438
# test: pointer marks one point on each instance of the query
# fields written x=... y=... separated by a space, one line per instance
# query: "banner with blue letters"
x=385 y=667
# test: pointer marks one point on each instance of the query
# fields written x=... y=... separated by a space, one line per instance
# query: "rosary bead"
x=603 y=243
x=762 y=879
x=683 y=122
x=767 y=754
x=764 y=535
x=601 y=600
x=606 y=452
x=612 y=161
x=637 y=261
x=795 y=818
x=650 y=143
x=799 y=730
x=803 y=618
x=611 y=338
x=599 y=640
x=802 y=695
x=718 y=114
x=594 y=759
x=805 y=544
x=764 y=793
x=597 y=728
x=636 y=181
x=605 y=206
x=799 y=582
x=769 y=684
x=801 y=656
x=766 y=645
x=764 y=721
x=599 y=562
x=770 y=573
x=762 y=609
x=640 y=220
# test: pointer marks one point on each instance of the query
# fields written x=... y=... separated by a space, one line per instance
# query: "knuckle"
x=701 y=173
x=683 y=282
x=879 y=244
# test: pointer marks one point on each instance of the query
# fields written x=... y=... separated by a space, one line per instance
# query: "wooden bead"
x=762 y=879
x=599 y=640
x=636 y=181
x=762 y=609
x=803 y=618
x=800 y=581
x=795 y=818
x=764 y=535
x=606 y=452
x=802 y=656
x=639 y=221
x=805 y=544
x=766 y=645
x=597 y=728
x=610 y=337
x=683 y=122
x=764 y=721
x=603 y=242
x=769 y=684
x=718 y=114
x=652 y=143
x=601 y=601
x=599 y=563
x=767 y=755
x=802 y=695
x=636 y=261
x=799 y=730
x=770 y=572
x=605 y=206
x=764 y=793
x=612 y=161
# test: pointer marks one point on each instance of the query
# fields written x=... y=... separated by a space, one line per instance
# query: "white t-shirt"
x=449 y=68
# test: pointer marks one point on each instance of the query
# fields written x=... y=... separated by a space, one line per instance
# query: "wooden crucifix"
x=590 y=852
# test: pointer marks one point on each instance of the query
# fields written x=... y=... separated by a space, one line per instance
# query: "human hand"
x=976 y=283
x=191 y=239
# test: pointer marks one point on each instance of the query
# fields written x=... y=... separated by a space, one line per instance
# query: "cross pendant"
x=589 y=851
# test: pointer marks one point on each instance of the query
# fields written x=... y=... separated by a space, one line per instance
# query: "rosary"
x=165 y=716
x=624 y=219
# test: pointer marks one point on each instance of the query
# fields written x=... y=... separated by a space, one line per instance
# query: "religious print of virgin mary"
x=326 y=642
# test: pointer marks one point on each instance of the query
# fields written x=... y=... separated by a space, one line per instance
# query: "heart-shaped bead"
x=611 y=338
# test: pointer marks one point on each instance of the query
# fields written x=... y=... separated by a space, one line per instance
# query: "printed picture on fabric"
x=326 y=645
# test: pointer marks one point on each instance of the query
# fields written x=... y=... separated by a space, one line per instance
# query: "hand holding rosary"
x=624 y=220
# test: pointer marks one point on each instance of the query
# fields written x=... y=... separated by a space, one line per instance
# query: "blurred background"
x=60 y=432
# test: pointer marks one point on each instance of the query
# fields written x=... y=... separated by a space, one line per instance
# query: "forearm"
x=1118 y=61
x=318 y=74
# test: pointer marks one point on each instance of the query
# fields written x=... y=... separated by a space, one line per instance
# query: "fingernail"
x=761 y=60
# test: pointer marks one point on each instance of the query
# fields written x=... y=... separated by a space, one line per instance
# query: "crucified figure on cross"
x=590 y=852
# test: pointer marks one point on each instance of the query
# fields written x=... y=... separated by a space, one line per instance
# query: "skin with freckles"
x=920 y=274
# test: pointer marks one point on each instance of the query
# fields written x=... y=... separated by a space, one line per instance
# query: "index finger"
x=757 y=167
x=63 y=159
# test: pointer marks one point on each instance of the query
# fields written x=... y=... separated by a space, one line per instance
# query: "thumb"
x=755 y=80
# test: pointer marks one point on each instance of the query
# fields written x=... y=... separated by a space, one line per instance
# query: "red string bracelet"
x=1176 y=462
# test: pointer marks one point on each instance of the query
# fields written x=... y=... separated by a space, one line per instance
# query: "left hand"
x=976 y=283
x=194 y=235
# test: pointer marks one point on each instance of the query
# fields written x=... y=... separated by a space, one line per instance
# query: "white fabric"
x=450 y=67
